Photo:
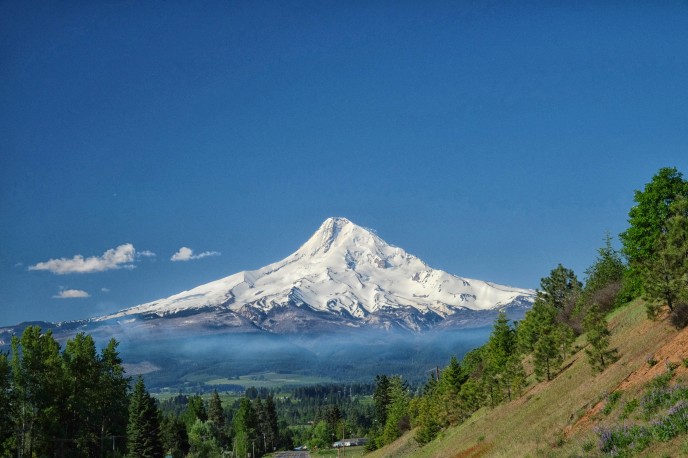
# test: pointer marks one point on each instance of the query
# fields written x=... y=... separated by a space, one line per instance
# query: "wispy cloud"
x=145 y=254
x=187 y=254
x=71 y=294
x=121 y=257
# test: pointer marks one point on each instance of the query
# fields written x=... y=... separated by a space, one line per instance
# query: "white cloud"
x=71 y=294
x=105 y=290
x=114 y=258
x=186 y=254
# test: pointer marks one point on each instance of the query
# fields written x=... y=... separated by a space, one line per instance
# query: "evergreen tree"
x=195 y=410
x=144 y=439
x=604 y=278
x=426 y=420
x=665 y=273
x=547 y=357
x=397 y=414
x=175 y=438
x=270 y=427
x=501 y=344
x=216 y=416
x=546 y=330
x=453 y=375
x=562 y=290
x=112 y=403
x=381 y=398
x=647 y=219
x=514 y=376
x=597 y=334
x=81 y=421
x=215 y=412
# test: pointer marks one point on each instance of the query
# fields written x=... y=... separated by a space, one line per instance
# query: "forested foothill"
x=79 y=402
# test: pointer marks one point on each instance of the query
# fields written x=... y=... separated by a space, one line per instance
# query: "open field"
x=271 y=380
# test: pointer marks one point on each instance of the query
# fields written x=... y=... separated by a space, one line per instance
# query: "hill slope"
x=560 y=418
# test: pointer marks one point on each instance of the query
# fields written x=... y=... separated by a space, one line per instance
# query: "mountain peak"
x=333 y=231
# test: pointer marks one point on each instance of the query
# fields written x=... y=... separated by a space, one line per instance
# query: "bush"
x=612 y=399
x=629 y=408
x=679 y=316
x=616 y=440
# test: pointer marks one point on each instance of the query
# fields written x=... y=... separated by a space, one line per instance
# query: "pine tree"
x=501 y=344
x=271 y=428
x=83 y=387
x=547 y=357
x=453 y=375
x=397 y=414
x=665 y=274
x=112 y=403
x=562 y=290
x=514 y=376
x=381 y=398
x=647 y=220
x=175 y=438
x=597 y=334
x=215 y=412
x=604 y=278
x=426 y=420
x=144 y=438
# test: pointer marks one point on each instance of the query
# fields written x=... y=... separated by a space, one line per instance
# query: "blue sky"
x=491 y=139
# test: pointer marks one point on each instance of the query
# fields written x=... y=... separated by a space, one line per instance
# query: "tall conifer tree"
x=144 y=439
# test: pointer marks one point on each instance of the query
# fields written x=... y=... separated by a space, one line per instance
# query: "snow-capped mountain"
x=343 y=276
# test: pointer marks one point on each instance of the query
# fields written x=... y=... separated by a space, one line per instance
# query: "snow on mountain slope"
x=346 y=271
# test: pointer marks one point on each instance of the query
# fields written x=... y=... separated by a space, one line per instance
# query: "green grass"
x=270 y=380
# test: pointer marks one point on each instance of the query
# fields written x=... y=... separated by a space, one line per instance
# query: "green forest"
x=77 y=401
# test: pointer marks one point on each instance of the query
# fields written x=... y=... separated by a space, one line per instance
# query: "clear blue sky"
x=491 y=139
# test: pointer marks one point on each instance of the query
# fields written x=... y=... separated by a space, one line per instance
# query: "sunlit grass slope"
x=561 y=417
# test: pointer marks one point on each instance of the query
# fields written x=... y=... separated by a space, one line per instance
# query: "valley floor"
x=562 y=417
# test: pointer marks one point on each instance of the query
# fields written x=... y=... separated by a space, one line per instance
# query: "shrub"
x=629 y=408
x=673 y=424
x=679 y=316
x=612 y=399
x=616 y=440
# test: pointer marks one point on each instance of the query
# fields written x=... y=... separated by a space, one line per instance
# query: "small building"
x=353 y=442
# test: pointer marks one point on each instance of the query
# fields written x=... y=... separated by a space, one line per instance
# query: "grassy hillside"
x=562 y=417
